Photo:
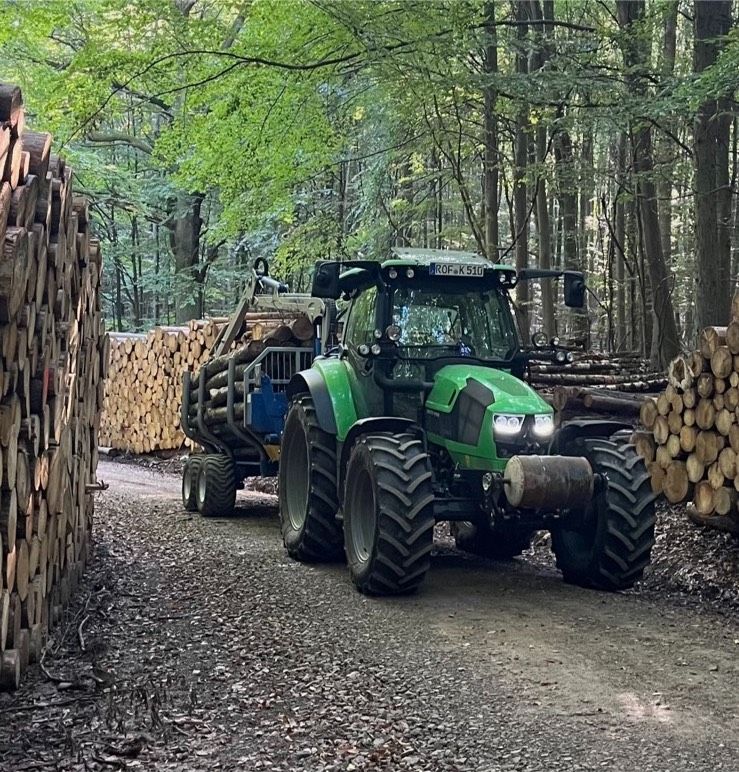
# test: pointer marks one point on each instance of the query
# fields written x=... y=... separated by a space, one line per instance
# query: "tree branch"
x=115 y=137
x=151 y=99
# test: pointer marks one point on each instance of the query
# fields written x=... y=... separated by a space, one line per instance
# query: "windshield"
x=434 y=324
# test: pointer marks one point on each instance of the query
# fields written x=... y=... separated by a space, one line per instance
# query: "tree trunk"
x=664 y=343
x=620 y=232
x=136 y=289
x=543 y=224
x=185 y=226
x=490 y=66
x=665 y=146
x=710 y=153
x=521 y=153
x=586 y=188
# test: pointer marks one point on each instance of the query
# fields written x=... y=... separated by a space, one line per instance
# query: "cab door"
x=360 y=331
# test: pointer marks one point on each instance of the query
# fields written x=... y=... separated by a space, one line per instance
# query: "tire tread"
x=321 y=538
x=623 y=545
x=405 y=499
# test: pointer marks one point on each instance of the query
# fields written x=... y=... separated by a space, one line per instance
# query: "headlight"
x=507 y=424
x=543 y=425
x=393 y=332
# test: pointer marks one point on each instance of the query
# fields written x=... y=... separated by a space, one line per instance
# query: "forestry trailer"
x=419 y=414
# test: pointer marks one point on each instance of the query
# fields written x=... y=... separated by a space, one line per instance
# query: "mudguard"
x=371 y=426
x=587 y=428
x=327 y=382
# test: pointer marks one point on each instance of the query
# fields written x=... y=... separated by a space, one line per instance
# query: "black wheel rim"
x=297 y=476
x=187 y=484
x=202 y=484
x=581 y=541
x=363 y=516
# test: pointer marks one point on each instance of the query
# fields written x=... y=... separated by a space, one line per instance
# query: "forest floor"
x=197 y=645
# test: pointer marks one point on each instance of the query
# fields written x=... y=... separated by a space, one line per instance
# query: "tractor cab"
x=422 y=311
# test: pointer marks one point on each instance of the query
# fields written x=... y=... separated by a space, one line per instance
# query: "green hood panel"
x=511 y=394
x=464 y=424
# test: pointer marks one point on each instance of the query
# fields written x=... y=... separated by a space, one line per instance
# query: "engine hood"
x=486 y=387
x=461 y=407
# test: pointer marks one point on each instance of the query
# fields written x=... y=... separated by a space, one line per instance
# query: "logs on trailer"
x=691 y=445
x=143 y=391
x=52 y=362
x=296 y=333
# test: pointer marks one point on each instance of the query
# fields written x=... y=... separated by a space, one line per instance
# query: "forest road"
x=206 y=647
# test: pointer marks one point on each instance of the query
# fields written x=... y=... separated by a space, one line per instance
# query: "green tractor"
x=421 y=414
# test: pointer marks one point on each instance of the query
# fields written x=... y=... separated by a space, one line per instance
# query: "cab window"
x=361 y=323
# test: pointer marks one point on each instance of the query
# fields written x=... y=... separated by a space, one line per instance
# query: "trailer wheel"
x=190 y=472
x=307 y=487
x=388 y=514
x=216 y=489
x=613 y=546
x=499 y=543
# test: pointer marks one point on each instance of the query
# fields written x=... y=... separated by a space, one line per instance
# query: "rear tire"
x=498 y=543
x=307 y=487
x=216 y=490
x=612 y=549
x=388 y=514
x=190 y=472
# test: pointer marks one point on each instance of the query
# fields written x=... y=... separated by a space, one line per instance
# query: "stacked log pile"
x=141 y=409
x=143 y=393
x=52 y=363
x=605 y=384
x=691 y=442
x=624 y=373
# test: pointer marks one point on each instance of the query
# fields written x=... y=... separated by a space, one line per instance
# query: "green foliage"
x=316 y=128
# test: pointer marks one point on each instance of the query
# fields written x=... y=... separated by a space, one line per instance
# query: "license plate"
x=456 y=269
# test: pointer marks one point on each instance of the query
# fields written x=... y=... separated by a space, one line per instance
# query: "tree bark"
x=664 y=340
x=521 y=153
x=664 y=149
x=543 y=224
x=620 y=233
x=184 y=236
x=490 y=67
x=712 y=20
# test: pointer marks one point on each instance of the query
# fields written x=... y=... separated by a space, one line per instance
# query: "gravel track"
x=197 y=645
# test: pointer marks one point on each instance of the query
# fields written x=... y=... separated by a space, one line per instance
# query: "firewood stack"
x=622 y=373
x=144 y=387
x=52 y=366
x=141 y=410
x=691 y=445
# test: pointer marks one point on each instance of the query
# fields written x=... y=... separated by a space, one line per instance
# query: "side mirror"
x=326 y=280
x=574 y=289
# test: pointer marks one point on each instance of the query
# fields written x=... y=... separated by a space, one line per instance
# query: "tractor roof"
x=420 y=256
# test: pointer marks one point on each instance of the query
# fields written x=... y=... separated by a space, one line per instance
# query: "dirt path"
x=205 y=648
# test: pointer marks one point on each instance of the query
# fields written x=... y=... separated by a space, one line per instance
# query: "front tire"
x=190 y=472
x=307 y=487
x=613 y=546
x=388 y=514
x=216 y=489
x=502 y=542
